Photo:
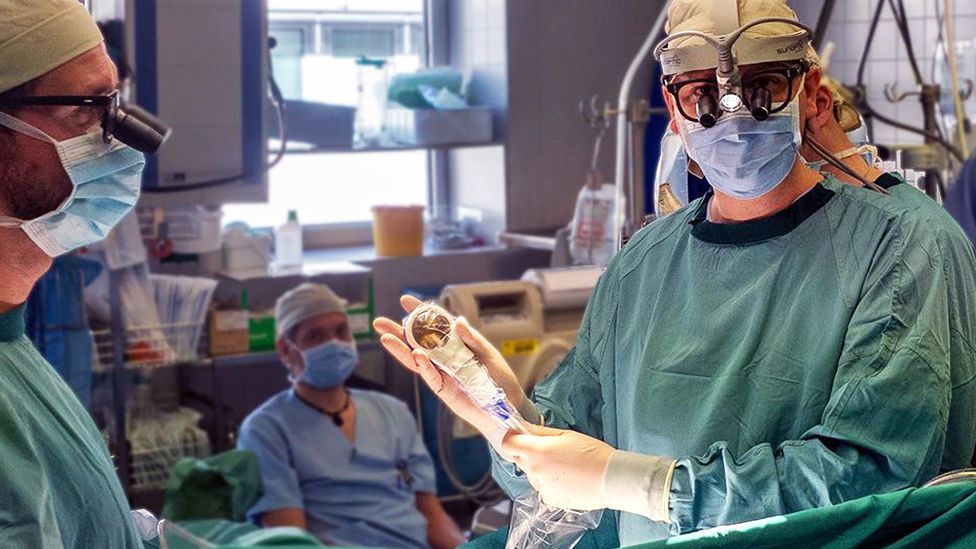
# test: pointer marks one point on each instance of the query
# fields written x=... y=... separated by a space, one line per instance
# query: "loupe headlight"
x=135 y=126
x=130 y=124
x=730 y=102
x=730 y=94
x=707 y=111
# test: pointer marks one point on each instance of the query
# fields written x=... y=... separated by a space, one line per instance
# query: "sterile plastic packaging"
x=535 y=525
x=433 y=329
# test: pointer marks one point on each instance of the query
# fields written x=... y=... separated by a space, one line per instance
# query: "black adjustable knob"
x=761 y=103
x=707 y=111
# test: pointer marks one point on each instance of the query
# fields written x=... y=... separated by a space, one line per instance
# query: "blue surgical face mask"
x=329 y=365
x=105 y=179
x=741 y=156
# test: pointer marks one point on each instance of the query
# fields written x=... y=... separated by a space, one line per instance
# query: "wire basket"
x=160 y=439
x=151 y=466
x=152 y=346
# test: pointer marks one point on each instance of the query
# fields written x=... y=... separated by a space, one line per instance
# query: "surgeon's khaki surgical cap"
x=305 y=301
x=37 y=36
x=700 y=15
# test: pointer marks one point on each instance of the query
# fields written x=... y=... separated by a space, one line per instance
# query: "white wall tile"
x=886 y=41
x=916 y=8
x=479 y=46
x=966 y=26
x=497 y=46
x=495 y=13
x=479 y=14
x=964 y=7
x=888 y=61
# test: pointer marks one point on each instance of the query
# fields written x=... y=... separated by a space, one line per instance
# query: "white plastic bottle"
x=288 y=244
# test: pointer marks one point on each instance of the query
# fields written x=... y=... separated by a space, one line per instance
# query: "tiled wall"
x=888 y=61
x=478 y=46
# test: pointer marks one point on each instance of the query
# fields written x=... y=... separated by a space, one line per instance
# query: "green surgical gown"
x=58 y=488
x=788 y=363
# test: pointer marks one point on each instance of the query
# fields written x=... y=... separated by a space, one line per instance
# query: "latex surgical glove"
x=567 y=468
x=445 y=387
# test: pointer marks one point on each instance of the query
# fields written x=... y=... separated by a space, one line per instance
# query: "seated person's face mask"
x=329 y=364
x=106 y=179
x=742 y=157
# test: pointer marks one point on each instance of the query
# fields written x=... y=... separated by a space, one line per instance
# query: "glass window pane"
x=337 y=187
x=374 y=42
x=286 y=60
x=318 y=42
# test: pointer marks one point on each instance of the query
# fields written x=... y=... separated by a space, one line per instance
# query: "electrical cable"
x=837 y=163
x=940 y=38
x=953 y=150
x=870 y=113
x=862 y=64
x=278 y=101
x=954 y=75
x=484 y=491
x=940 y=46
x=867 y=44
x=901 y=23
x=822 y=22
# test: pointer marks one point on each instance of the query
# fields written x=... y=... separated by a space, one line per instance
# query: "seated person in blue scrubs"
x=347 y=465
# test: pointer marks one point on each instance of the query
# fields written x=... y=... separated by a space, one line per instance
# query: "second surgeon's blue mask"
x=741 y=156
x=105 y=179
x=329 y=364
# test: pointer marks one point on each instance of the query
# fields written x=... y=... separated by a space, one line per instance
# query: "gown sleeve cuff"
x=639 y=484
x=528 y=410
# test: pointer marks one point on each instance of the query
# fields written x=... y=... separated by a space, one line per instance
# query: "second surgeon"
x=784 y=343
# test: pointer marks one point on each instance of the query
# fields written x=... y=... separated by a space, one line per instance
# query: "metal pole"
x=623 y=103
x=123 y=454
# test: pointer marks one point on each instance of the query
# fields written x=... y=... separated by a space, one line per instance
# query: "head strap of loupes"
x=725 y=34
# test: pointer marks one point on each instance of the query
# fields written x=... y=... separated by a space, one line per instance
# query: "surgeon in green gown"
x=61 y=186
x=784 y=343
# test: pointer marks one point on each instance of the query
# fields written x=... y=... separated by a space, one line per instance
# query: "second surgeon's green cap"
x=38 y=36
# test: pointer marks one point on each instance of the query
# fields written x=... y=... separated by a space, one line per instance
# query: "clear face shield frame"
x=704 y=100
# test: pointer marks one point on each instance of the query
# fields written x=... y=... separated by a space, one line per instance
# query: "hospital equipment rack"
x=121 y=352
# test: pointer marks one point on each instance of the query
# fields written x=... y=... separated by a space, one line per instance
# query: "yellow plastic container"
x=398 y=231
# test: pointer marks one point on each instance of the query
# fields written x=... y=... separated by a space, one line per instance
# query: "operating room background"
x=531 y=63
x=888 y=62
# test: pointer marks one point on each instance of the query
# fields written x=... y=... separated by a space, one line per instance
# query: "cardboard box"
x=229 y=332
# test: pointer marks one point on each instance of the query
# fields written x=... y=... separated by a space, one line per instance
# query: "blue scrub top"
x=362 y=494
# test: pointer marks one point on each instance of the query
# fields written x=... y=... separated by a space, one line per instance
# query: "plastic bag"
x=433 y=329
x=592 y=234
x=536 y=525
